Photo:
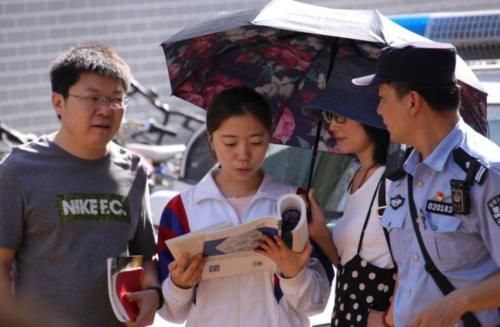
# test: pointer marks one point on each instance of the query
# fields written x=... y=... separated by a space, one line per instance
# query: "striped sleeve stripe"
x=173 y=223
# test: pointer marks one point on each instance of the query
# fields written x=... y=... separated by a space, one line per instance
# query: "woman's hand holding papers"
x=290 y=263
x=186 y=272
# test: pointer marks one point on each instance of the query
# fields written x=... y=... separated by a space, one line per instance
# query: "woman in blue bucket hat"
x=357 y=246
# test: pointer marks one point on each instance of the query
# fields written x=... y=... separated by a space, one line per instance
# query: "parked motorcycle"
x=10 y=137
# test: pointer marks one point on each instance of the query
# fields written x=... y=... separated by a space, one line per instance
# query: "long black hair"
x=380 y=137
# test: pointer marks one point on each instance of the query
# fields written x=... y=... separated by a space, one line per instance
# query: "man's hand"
x=147 y=301
x=186 y=271
x=290 y=263
x=445 y=312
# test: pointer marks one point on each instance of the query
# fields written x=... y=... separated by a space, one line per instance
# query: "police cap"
x=418 y=64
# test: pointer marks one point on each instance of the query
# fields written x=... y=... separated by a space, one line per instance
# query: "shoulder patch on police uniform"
x=443 y=208
x=397 y=201
x=494 y=206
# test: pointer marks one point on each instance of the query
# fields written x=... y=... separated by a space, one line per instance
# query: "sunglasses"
x=328 y=117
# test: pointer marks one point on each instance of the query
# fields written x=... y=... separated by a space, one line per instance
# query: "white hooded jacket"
x=254 y=299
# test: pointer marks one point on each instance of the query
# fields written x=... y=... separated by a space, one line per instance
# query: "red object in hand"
x=129 y=281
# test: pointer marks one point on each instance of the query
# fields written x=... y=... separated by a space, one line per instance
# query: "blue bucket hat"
x=342 y=98
x=425 y=64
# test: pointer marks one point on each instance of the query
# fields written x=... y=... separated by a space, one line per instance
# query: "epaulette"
x=475 y=169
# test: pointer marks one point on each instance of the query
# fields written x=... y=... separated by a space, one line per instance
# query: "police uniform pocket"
x=442 y=223
x=442 y=240
x=393 y=221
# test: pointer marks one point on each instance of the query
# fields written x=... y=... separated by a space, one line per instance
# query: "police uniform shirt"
x=465 y=248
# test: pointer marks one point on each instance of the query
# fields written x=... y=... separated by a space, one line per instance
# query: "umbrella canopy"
x=286 y=51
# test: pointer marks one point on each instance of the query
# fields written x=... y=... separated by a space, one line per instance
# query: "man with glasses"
x=71 y=199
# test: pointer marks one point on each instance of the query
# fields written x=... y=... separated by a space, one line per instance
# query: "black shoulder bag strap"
x=382 y=204
x=468 y=318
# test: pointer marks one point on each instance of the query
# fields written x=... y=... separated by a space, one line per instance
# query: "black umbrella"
x=287 y=51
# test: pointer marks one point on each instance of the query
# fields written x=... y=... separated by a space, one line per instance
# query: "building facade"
x=33 y=32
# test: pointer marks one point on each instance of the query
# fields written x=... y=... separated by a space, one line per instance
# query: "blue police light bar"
x=414 y=23
x=476 y=34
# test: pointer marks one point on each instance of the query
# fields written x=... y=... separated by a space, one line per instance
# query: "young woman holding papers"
x=238 y=191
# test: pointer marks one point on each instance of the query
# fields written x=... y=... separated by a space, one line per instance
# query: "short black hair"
x=440 y=98
x=96 y=58
x=238 y=101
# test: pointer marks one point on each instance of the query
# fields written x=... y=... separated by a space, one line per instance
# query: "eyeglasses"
x=118 y=102
x=328 y=117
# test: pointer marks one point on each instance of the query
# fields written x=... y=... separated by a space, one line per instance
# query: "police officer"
x=443 y=216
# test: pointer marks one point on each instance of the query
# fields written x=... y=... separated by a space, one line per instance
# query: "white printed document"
x=230 y=251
